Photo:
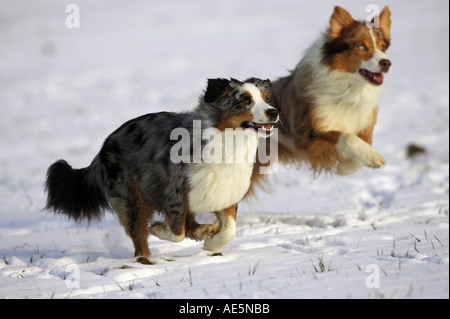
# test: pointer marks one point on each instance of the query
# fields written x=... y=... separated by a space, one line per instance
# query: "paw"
x=353 y=149
x=144 y=260
x=162 y=231
x=373 y=159
x=203 y=232
x=220 y=240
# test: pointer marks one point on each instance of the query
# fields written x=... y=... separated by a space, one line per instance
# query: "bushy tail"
x=76 y=193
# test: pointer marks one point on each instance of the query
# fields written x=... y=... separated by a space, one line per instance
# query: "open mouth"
x=374 y=78
x=257 y=126
x=263 y=129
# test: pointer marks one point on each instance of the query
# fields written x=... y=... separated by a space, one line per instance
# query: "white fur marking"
x=260 y=107
x=373 y=64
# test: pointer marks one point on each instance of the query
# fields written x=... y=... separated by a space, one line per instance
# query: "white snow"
x=376 y=234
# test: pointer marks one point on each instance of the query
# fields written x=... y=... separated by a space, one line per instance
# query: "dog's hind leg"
x=173 y=228
x=134 y=215
x=226 y=229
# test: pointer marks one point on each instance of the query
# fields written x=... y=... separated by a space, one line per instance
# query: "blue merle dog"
x=137 y=173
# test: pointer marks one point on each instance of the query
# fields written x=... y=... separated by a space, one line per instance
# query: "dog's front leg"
x=226 y=229
x=356 y=153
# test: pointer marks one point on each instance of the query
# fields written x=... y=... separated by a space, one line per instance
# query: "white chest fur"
x=344 y=104
x=224 y=182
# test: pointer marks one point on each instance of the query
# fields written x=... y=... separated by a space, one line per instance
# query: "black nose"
x=272 y=114
x=385 y=64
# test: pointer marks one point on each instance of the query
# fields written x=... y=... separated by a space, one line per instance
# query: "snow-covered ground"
x=377 y=234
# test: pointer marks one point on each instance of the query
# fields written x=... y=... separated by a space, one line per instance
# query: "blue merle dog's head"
x=235 y=104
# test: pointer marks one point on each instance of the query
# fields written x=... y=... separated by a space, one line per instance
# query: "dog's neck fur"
x=209 y=115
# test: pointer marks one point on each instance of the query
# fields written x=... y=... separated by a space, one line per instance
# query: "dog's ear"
x=216 y=89
x=267 y=84
x=340 y=20
x=385 y=23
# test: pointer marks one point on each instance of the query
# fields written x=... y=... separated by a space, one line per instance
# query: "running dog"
x=140 y=171
x=328 y=104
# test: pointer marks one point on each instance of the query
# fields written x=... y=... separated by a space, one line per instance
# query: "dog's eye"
x=362 y=47
x=383 y=48
x=247 y=100
x=268 y=97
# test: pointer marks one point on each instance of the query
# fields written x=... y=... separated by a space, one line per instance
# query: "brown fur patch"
x=136 y=225
x=232 y=211
x=321 y=152
x=234 y=121
x=191 y=225
x=350 y=59
x=266 y=96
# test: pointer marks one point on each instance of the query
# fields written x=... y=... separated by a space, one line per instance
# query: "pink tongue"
x=376 y=78
x=266 y=126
